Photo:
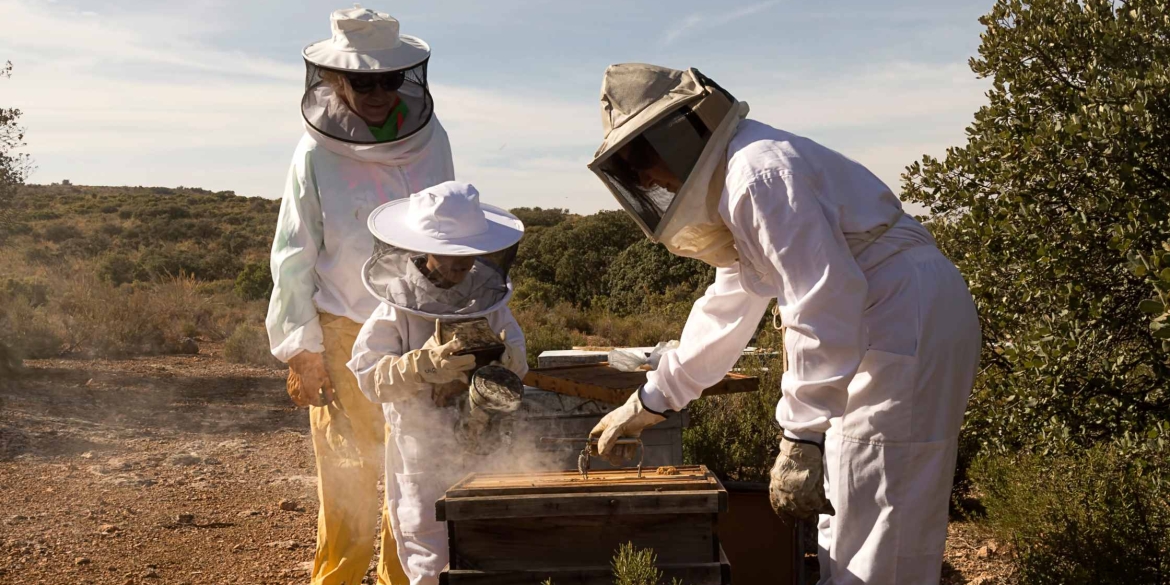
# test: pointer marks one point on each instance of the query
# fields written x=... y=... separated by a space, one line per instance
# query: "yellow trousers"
x=349 y=440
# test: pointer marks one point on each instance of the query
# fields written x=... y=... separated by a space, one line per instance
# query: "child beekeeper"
x=440 y=256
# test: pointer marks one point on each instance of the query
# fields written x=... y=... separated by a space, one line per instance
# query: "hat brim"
x=389 y=224
x=410 y=52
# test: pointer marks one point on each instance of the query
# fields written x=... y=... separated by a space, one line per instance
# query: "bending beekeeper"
x=440 y=256
x=371 y=136
x=882 y=338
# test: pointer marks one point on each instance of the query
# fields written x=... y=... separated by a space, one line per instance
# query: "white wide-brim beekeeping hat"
x=448 y=220
x=367 y=41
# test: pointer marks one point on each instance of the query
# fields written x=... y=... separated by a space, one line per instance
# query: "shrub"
x=28 y=331
x=636 y=567
x=573 y=255
x=167 y=262
x=59 y=232
x=255 y=281
x=736 y=436
x=248 y=344
x=1095 y=516
x=104 y=321
x=1055 y=210
x=116 y=269
x=644 y=272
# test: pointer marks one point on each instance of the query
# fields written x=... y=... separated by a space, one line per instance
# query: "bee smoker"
x=493 y=393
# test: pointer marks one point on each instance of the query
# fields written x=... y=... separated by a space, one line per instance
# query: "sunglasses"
x=367 y=82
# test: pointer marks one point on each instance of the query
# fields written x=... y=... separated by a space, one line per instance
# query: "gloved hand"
x=514 y=358
x=797 y=489
x=308 y=382
x=627 y=421
x=400 y=377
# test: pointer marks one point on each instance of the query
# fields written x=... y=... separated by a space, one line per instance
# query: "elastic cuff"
x=652 y=399
x=805 y=436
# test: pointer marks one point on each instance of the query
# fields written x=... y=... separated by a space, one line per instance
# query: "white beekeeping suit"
x=371 y=136
x=441 y=256
x=881 y=335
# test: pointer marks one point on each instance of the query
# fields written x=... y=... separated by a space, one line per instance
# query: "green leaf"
x=1151 y=306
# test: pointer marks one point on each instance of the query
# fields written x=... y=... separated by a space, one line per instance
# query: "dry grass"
x=248 y=344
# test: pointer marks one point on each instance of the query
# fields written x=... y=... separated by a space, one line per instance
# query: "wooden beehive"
x=525 y=528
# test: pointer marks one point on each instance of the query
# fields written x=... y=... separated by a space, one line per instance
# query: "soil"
x=189 y=469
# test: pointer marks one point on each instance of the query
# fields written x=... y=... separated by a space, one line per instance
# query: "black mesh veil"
x=439 y=286
x=328 y=103
x=676 y=141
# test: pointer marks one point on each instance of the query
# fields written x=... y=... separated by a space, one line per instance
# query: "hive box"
x=525 y=528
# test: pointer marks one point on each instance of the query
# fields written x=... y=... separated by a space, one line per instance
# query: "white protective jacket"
x=321 y=238
x=795 y=209
x=422 y=457
x=882 y=342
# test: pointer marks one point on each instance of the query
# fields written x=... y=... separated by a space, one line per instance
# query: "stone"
x=188 y=346
x=185 y=519
x=184 y=459
x=108 y=528
x=289 y=505
x=81 y=561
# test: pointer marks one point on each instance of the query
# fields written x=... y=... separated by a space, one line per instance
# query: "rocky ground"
x=187 y=469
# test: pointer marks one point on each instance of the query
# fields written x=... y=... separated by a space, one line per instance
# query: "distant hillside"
x=144 y=233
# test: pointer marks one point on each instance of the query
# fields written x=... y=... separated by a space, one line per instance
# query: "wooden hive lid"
x=694 y=489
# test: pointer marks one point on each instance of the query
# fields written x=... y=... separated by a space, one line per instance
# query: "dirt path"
x=159 y=470
x=173 y=470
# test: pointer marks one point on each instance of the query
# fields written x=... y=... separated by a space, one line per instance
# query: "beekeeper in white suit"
x=371 y=136
x=440 y=256
x=882 y=337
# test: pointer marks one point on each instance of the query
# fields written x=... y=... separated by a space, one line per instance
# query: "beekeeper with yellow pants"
x=882 y=338
x=441 y=256
x=370 y=137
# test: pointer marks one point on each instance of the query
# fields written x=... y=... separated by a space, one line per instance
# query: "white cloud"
x=693 y=21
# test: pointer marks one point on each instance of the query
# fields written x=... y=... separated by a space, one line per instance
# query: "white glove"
x=401 y=377
x=627 y=421
x=797 y=489
x=514 y=358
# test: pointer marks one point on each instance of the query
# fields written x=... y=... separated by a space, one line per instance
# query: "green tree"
x=1056 y=211
x=536 y=217
x=571 y=258
x=647 y=274
x=14 y=166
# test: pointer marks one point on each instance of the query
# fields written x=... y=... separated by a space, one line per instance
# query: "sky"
x=206 y=93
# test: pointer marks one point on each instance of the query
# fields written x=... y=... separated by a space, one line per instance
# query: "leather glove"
x=628 y=420
x=797 y=489
x=402 y=377
x=514 y=357
x=308 y=382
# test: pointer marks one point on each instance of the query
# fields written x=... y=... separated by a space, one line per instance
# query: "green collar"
x=389 y=130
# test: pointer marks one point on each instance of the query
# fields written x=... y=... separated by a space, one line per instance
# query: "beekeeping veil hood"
x=442 y=254
x=366 y=53
x=680 y=122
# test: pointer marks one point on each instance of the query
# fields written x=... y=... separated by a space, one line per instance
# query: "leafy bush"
x=636 y=567
x=646 y=275
x=1056 y=212
x=248 y=344
x=572 y=256
x=117 y=269
x=27 y=330
x=255 y=281
x=1091 y=517
x=59 y=232
x=736 y=436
